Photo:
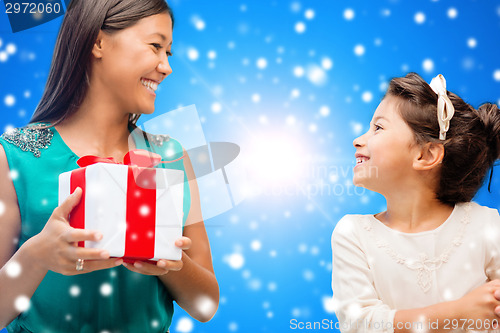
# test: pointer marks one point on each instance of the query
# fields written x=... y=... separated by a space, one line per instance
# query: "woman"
x=109 y=58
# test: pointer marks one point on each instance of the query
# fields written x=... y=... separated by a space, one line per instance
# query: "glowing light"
x=13 y=269
x=300 y=27
x=324 y=111
x=316 y=75
x=256 y=245
x=235 y=260
x=9 y=100
x=359 y=50
x=144 y=210
x=428 y=65
x=216 y=107
x=452 y=13
x=2 y=208
x=309 y=14
x=74 y=291
x=184 y=325
x=22 y=303
x=326 y=63
x=367 y=97
x=298 y=71
x=472 y=43
x=212 y=54
x=3 y=56
x=106 y=289
x=205 y=305
x=419 y=18
x=349 y=14
x=193 y=54
x=261 y=63
x=496 y=75
x=11 y=48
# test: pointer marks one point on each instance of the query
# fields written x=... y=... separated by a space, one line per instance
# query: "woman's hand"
x=162 y=266
x=57 y=244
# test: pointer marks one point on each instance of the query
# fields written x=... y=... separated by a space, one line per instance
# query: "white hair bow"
x=445 y=109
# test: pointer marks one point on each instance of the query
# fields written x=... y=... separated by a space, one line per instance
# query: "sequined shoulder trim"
x=158 y=139
x=30 y=138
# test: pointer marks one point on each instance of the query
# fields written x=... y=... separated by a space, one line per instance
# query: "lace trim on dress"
x=423 y=265
x=30 y=138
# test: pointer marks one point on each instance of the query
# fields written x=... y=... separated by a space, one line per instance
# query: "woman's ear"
x=430 y=156
x=97 y=50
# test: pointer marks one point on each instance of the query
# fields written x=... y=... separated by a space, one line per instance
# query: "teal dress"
x=112 y=300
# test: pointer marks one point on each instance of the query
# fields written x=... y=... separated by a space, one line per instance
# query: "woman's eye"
x=156 y=46
x=170 y=53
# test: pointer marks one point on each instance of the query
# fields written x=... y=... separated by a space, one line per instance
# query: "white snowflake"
x=13 y=268
x=198 y=23
x=2 y=208
x=452 y=13
x=193 y=54
x=184 y=325
x=326 y=63
x=3 y=56
x=428 y=65
x=308 y=275
x=471 y=42
x=367 y=97
x=216 y=107
x=349 y=14
x=22 y=303
x=272 y=286
x=233 y=327
x=324 y=111
x=300 y=27
x=261 y=63
x=290 y=120
x=359 y=50
x=11 y=48
x=316 y=75
x=309 y=14
x=74 y=291
x=106 y=289
x=9 y=100
x=256 y=245
x=256 y=98
x=496 y=75
x=235 y=260
x=298 y=71
x=295 y=93
x=419 y=18
x=212 y=55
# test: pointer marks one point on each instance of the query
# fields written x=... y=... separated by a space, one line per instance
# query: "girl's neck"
x=415 y=212
x=96 y=129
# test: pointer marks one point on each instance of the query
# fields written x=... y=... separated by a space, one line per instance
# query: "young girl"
x=431 y=260
x=109 y=58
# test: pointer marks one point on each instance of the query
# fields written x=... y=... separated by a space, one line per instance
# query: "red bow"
x=135 y=157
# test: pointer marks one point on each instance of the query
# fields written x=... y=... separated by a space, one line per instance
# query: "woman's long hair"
x=69 y=77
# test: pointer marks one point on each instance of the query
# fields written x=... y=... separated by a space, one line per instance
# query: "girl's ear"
x=430 y=156
x=97 y=50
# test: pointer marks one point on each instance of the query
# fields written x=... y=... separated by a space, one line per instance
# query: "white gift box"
x=111 y=195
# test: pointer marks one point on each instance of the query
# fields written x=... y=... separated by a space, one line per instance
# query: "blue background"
x=272 y=253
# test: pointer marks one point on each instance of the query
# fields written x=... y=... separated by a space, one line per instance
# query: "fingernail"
x=98 y=236
x=178 y=243
x=162 y=263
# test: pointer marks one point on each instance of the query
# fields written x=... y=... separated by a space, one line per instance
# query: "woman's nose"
x=164 y=66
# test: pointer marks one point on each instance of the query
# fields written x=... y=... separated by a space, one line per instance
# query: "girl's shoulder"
x=33 y=138
x=351 y=224
x=482 y=214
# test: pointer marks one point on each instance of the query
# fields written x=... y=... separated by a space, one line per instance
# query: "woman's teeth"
x=150 y=85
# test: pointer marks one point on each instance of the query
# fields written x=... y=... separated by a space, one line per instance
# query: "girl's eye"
x=377 y=127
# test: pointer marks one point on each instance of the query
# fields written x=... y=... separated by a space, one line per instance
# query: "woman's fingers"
x=184 y=243
x=67 y=206
x=160 y=268
x=75 y=253
x=95 y=265
x=80 y=235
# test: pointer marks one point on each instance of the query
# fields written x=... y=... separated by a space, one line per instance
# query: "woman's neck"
x=96 y=129
x=415 y=211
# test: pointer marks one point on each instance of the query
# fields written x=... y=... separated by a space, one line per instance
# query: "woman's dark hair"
x=69 y=77
x=472 y=142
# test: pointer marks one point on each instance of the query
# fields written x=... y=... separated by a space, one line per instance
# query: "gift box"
x=137 y=208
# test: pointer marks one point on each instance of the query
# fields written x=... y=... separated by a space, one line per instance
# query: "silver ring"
x=79 y=264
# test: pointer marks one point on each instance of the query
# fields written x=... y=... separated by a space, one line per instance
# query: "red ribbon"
x=140 y=205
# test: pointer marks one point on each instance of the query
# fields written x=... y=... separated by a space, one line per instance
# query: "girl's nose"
x=164 y=66
x=358 y=142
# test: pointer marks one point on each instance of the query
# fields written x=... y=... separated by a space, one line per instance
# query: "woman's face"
x=131 y=63
x=384 y=154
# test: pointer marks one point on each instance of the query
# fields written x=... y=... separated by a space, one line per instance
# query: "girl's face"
x=132 y=62
x=385 y=153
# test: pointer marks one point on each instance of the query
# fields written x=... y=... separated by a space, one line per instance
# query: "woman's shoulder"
x=32 y=138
